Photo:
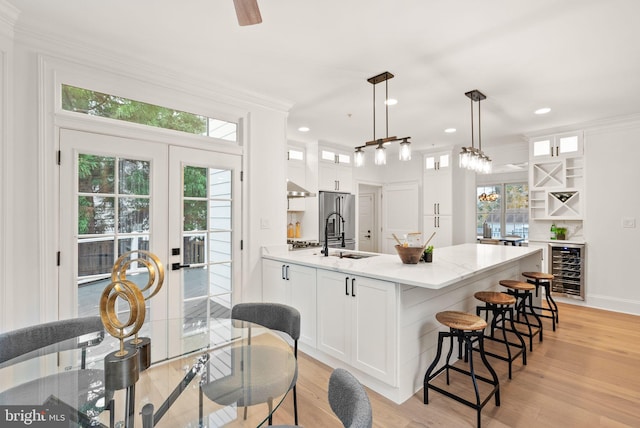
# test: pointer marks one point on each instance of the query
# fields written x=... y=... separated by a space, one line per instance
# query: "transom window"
x=92 y=103
x=505 y=207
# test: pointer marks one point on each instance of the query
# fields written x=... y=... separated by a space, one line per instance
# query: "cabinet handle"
x=438 y=208
x=283 y=277
x=337 y=184
x=438 y=221
x=346 y=286
x=557 y=150
x=353 y=287
x=434 y=222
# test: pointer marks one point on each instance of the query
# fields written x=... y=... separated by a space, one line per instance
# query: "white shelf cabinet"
x=556 y=177
x=292 y=285
x=557 y=146
x=335 y=171
x=357 y=322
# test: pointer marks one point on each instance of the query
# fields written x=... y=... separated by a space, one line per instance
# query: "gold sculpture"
x=121 y=288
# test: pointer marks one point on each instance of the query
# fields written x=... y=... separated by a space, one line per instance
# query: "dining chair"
x=48 y=338
x=349 y=400
x=274 y=316
x=79 y=390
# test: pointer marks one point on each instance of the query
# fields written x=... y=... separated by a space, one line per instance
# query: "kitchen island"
x=375 y=315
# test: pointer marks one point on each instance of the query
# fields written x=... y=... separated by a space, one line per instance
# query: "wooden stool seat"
x=461 y=320
x=517 y=285
x=538 y=275
x=495 y=298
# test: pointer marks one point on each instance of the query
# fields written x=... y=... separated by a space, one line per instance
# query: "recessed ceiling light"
x=450 y=130
x=543 y=110
x=303 y=129
x=391 y=102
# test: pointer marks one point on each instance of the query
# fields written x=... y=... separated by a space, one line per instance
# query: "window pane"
x=134 y=177
x=517 y=209
x=95 y=256
x=220 y=247
x=220 y=279
x=488 y=210
x=94 y=103
x=96 y=215
x=96 y=174
x=195 y=182
x=220 y=183
x=133 y=215
x=195 y=215
x=194 y=250
x=220 y=215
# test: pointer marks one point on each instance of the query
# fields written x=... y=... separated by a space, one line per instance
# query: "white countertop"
x=450 y=264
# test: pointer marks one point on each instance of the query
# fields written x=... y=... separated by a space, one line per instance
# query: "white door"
x=118 y=195
x=366 y=222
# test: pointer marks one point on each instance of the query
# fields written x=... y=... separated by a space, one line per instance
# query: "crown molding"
x=8 y=17
x=164 y=75
x=592 y=125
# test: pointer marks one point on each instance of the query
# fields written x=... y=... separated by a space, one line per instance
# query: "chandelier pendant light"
x=380 y=152
x=471 y=158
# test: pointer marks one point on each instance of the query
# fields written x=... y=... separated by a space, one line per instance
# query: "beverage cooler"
x=567 y=264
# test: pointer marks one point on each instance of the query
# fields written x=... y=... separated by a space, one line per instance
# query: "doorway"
x=184 y=205
x=369 y=217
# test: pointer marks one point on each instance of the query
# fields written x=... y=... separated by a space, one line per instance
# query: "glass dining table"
x=224 y=373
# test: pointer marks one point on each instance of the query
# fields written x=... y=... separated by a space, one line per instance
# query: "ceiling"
x=581 y=58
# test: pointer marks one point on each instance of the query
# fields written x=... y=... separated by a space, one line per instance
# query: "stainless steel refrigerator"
x=343 y=204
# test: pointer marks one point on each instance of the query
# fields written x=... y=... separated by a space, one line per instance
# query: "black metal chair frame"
x=524 y=307
x=553 y=307
x=468 y=337
x=499 y=319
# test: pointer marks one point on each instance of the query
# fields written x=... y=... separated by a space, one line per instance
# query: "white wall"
x=611 y=195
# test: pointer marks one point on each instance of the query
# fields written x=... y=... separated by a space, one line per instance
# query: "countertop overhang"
x=450 y=264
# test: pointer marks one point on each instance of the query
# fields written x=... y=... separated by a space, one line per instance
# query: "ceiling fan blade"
x=247 y=12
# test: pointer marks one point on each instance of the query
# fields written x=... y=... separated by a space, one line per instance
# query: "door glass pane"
x=430 y=163
x=517 y=209
x=444 y=161
x=113 y=218
x=542 y=148
x=488 y=209
x=208 y=208
x=569 y=144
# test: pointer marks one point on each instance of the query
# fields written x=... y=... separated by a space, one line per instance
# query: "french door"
x=183 y=205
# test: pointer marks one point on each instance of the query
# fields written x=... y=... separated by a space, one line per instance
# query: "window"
x=505 y=208
x=94 y=103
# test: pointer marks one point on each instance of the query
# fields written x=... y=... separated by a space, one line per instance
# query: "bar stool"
x=499 y=305
x=544 y=279
x=524 y=306
x=465 y=327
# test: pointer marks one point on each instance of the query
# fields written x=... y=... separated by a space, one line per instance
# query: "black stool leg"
x=441 y=336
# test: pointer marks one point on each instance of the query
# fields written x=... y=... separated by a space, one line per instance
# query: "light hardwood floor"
x=585 y=374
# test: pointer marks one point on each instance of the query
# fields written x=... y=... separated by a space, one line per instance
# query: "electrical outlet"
x=264 y=223
x=629 y=222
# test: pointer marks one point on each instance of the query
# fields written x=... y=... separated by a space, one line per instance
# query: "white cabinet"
x=556 y=177
x=557 y=146
x=296 y=172
x=335 y=171
x=438 y=198
x=357 y=322
x=292 y=285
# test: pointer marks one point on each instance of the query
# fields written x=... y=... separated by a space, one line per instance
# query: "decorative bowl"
x=409 y=255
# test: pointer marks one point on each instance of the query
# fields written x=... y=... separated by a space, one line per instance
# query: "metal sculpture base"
x=122 y=372
x=143 y=345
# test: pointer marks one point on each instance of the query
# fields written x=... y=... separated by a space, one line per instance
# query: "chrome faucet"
x=325 y=251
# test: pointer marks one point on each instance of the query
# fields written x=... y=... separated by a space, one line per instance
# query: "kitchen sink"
x=352 y=255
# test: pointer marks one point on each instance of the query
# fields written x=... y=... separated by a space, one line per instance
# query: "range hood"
x=295 y=191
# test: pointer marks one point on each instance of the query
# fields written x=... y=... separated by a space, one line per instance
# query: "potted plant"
x=427 y=255
x=561 y=233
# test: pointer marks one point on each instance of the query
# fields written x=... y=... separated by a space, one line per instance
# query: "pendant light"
x=380 y=152
x=471 y=158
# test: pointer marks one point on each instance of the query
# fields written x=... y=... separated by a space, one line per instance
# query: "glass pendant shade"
x=405 y=150
x=381 y=155
x=358 y=157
